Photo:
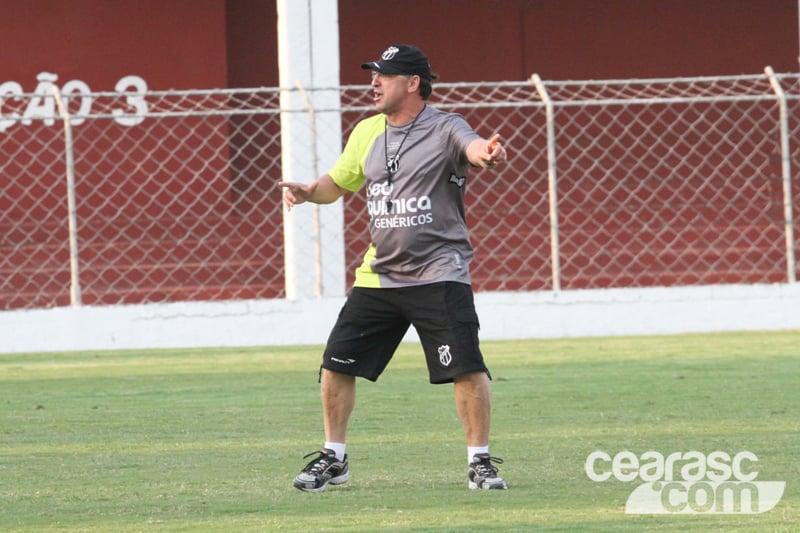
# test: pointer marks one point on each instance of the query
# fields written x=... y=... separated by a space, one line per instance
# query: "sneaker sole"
x=474 y=486
x=333 y=481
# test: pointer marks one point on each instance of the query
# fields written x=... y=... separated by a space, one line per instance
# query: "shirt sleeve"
x=348 y=171
x=460 y=136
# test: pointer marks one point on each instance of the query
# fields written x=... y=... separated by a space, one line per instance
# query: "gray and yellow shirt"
x=416 y=213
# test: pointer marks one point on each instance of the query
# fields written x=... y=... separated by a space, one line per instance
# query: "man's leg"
x=367 y=331
x=338 y=393
x=338 y=399
x=473 y=396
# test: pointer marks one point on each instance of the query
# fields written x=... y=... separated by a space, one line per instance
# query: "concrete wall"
x=503 y=315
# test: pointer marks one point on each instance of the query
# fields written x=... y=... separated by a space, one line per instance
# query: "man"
x=412 y=160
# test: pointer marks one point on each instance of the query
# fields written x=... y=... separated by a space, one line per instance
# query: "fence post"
x=72 y=216
x=312 y=125
x=552 y=184
x=314 y=238
x=786 y=171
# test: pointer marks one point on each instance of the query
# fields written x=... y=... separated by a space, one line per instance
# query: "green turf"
x=210 y=440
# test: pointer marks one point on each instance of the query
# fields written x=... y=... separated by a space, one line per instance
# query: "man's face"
x=390 y=90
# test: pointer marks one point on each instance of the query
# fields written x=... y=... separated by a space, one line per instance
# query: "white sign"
x=41 y=104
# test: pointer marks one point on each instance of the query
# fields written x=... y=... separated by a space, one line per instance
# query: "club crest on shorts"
x=444 y=355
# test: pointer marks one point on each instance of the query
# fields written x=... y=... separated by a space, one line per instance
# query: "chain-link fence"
x=115 y=198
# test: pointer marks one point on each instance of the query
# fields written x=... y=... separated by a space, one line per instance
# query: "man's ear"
x=413 y=83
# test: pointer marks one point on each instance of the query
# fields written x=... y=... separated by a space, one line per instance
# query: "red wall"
x=170 y=43
x=252 y=43
x=658 y=38
x=135 y=212
x=198 y=44
x=189 y=44
x=575 y=39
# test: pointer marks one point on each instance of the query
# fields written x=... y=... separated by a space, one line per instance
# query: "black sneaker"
x=326 y=468
x=483 y=474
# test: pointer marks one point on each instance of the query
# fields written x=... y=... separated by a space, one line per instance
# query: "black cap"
x=402 y=59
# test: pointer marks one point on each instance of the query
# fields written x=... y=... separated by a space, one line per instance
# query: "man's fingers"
x=492 y=144
x=492 y=147
x=494 y=153
x=297 y=193
x=294 y=187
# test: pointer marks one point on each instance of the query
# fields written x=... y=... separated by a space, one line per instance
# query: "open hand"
x=296 y=193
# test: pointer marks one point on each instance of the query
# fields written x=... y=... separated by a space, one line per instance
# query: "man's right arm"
x=322 y=190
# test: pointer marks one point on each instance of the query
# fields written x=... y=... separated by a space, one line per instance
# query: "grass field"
x=210 y=440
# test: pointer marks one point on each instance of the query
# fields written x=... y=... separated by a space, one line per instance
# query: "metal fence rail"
x=137 y=197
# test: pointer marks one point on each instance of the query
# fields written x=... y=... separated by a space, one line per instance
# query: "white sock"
x=337 y=447
x=472 y=451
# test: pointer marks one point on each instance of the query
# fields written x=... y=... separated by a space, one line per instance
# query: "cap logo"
x=389 y=54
